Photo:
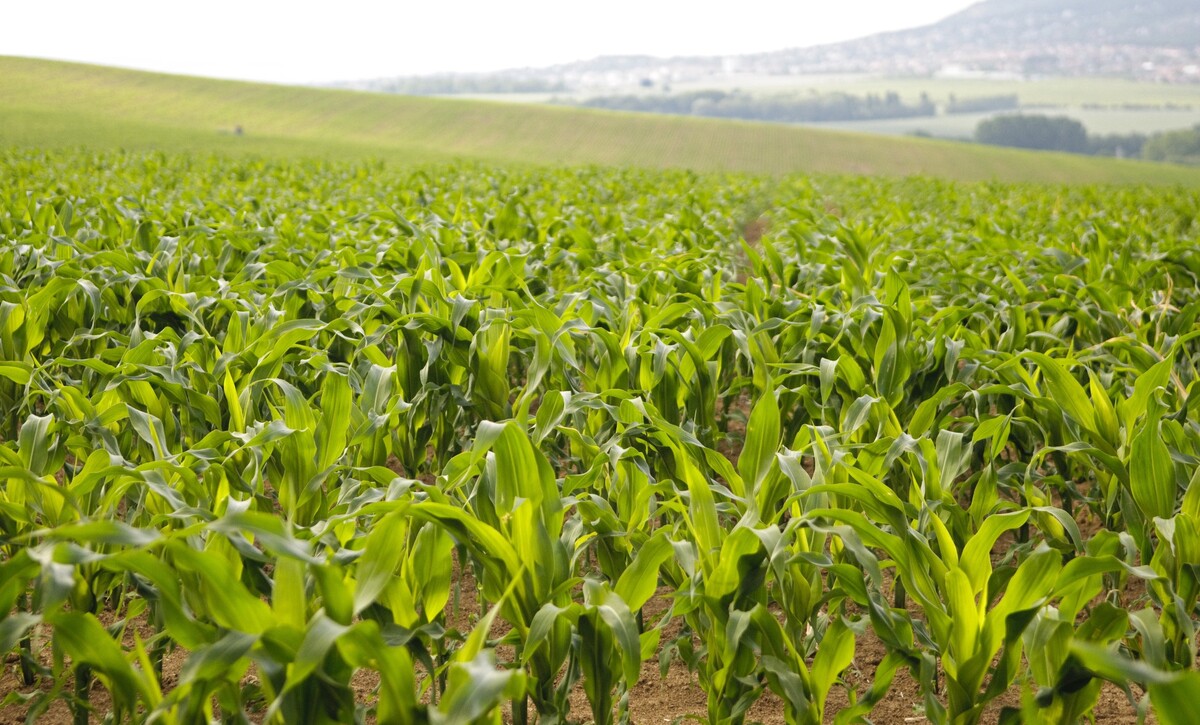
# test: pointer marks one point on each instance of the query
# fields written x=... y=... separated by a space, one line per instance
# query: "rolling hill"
x=54 y=104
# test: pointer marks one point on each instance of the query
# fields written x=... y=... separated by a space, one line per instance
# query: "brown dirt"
x=755 y=229
x=738 y=413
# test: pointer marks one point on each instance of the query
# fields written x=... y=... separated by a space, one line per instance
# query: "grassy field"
x=55 y=105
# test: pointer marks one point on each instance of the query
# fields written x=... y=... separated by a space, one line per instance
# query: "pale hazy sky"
x=303 y=41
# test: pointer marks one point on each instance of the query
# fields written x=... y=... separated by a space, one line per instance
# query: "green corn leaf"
x=333 y=427
x=763 y=437
x=616 y=615
x=1106 y=415
x=702 y=508
x=382 y=553
x=639 y=581
x=1175 y=700
x=1065 y=390
x=219 y=659
x=1144 y=387
x=1152 y=472
x=16 y=626
x=476 y=687
x=834 y=655
x=975 y=560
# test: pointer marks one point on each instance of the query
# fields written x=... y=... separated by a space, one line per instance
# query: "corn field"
x=489 y=438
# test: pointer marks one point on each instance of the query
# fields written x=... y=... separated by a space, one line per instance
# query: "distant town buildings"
x=997 y=39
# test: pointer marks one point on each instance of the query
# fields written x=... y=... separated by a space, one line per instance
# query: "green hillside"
x=54 y=104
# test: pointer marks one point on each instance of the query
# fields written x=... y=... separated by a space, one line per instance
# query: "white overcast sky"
x=301 y=41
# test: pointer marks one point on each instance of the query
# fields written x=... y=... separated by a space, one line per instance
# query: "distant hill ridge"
x=1153 y=23
x=1153 y=40
x=1150 y=39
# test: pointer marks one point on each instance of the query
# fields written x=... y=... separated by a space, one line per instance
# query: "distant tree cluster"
x=1066 y=134
x=1044 y=133
x=788 y=108
x=1179 y=147
x=983 y=104
x=1122 y=146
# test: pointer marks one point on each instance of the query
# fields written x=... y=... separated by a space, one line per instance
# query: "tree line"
x=1060 y=133
x=788 y=108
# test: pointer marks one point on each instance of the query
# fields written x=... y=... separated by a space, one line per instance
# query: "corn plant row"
x=487 y=438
